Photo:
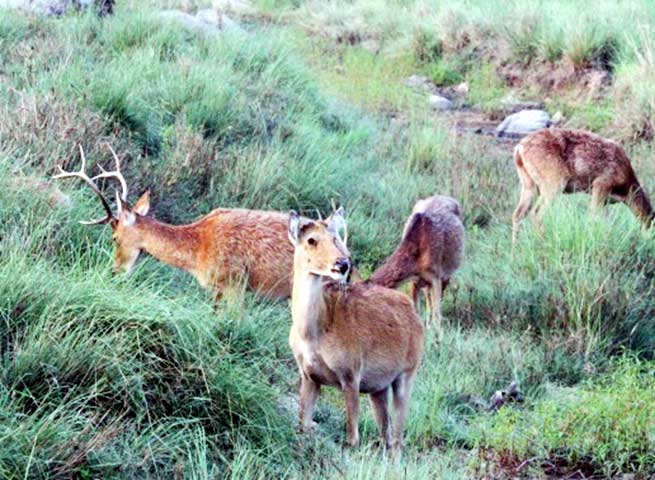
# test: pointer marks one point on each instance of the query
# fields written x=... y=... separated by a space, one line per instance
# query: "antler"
x=115 y=174
x=80 y=174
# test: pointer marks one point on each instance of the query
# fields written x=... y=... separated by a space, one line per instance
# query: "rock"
x=501 y=397
x=237 y=7
x=206 y=21
x=462 y=88
x=440 y=103
x=59 y=7
x=557 y=118
x=523 y=122
x=219 y=20
x=496 y=401
x=417 y=81
x=513 y=104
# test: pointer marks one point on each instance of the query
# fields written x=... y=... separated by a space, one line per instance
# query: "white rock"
x=417 y=81
x=238 y=7
x=207 y=21
x=523 y=122
x=440 y=103
x=558 y=117
x=462 y=88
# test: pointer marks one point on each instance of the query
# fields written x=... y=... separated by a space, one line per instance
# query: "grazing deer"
x=356 y=337
x=430 y=251
x=220 y=249
x=552 y=161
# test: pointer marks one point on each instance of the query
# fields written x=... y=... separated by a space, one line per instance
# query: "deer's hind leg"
x=402 y=392
x=380 y=405
x=435 y=292
x=529 y=194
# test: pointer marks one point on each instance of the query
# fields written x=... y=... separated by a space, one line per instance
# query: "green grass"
x=113 y=377
x=500 y=44
x=606 y=427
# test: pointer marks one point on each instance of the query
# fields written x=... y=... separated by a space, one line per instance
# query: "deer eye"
x=312 y=241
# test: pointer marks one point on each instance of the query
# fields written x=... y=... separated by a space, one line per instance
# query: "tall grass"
x=105 y=376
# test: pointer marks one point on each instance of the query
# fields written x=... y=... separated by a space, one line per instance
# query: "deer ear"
x=142 y=205
x=337 y=221
x=125 y=215
x=294 y=227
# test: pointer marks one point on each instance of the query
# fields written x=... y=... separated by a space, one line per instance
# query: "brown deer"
x=220 y=250
x=552 y=161
x=430 y=251
x=356 y=337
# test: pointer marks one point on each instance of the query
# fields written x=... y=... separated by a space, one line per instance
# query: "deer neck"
x=307 y=304
x=398 y=268
x=175 y=245
x=642 y=207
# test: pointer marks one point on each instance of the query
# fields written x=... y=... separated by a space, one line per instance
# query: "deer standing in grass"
x=220 y=250
x=430 y=251
x=554 y=161
x=356 y=337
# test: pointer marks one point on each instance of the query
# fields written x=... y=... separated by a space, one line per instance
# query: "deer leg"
x=402 y=392
x=436 y=307
x=548 y=194
x=414 y=291
x=444 y=283
x=380 y=405
x=218 y=296
x=351 y=394
x=526 y=201
x=429 y=301
x=600 y=191
x=309 y=391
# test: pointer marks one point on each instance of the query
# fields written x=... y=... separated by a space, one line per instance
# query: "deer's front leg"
x=309 y=391
x=351 y=394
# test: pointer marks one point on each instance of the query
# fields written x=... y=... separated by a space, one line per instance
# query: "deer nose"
x=343 y=265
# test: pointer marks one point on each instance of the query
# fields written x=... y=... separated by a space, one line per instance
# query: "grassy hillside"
x=103 y=376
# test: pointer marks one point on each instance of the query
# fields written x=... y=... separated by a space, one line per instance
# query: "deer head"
x=126 y=235
x=319 y=247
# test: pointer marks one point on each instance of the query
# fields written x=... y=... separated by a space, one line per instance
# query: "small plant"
x=426 y=46
x=590 y=44
x=523 y=36
x=445 y=73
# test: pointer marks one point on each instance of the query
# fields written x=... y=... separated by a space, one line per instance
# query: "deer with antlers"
x=554 y=161
x=430 y=251
x=356 y=337
x=220 y=250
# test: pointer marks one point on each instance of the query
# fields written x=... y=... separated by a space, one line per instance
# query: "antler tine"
x=85 y=178
x=114 y=174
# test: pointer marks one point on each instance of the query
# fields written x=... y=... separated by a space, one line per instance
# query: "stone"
x=440 y=103
x=219 y=20
x=237 y=7
x=206 y=21
x=462 y=88
x=523 y=123
x=557 y=118
x=417 y=81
